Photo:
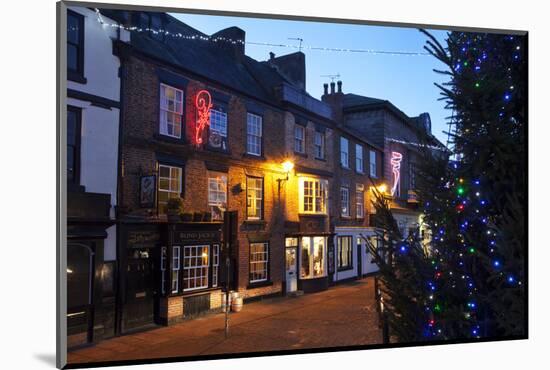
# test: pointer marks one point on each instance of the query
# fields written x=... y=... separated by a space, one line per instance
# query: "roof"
x=205 y=58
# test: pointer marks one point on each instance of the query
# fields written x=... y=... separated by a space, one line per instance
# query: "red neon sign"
x=203 y=103
x=395 y=161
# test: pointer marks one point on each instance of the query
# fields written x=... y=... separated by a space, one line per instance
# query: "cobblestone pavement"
x=344 y=315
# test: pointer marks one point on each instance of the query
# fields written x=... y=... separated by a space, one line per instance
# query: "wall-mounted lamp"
x=287 y=167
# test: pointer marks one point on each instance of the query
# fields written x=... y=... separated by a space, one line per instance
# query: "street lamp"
x=287 y=167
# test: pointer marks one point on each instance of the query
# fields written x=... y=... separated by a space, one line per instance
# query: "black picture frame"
x=147 y=191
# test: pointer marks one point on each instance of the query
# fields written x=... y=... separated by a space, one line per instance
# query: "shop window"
x=299 y=139
x=312 y=257
x=319 y=142
x=215 y=264
x=259 y=260
x=171 y=111
x=175 y=268
x=345 y=253
x=195 y=267
x=254 y=198
x=344 y=201
x=169 y=185
x=217 y=195
x=254 y=134
x=313 y=195
x=360 y=200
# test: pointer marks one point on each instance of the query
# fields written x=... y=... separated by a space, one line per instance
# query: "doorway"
x=291 y=275
x=359 y=258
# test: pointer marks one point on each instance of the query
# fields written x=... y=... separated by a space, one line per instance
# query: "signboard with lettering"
x=196 y=236
x=142 y=238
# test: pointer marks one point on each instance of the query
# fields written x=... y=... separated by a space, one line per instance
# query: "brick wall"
x=141 y=144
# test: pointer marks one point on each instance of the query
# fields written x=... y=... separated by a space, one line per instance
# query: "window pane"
x=305 y=263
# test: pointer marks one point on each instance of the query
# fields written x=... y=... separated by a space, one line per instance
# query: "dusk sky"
x=407 y=81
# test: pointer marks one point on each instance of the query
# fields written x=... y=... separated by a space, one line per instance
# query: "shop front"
x=353 y=258
x=170 y=272
x=309 y=255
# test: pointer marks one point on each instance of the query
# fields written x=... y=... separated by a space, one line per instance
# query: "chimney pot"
x=271 y=55
x=325 y=86
x=332 y=86
x=339 y=87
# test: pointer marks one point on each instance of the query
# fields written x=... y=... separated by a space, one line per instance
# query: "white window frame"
x=215 y=264
x=165 y=111
x=372 y=163
x=175 y=268
x=252 y=197
x=217 y=197
x=344 y=201
x=359 y=163
x=319 y=142
x=259 y=258
x=299 y=139
x=360 y=200
x=218 y=122
x=318 y=194
x=344 y=152
x=254 y=134
x=193 y=256
x=172 y=192
x=348 y=255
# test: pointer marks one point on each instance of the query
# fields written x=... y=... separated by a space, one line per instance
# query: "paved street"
x=341 y=316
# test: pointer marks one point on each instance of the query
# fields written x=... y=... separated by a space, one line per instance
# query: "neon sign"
x=395 y=161
x=203 y=103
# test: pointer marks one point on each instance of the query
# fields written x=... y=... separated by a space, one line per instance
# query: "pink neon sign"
x=203 y=103
x=395 y=161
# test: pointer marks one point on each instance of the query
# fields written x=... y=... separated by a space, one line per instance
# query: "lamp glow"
x=288 y=166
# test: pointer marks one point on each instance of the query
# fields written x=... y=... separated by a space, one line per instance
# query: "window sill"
x=345 y=168
x=169 y=139
x=300 y=154
x=312 y=214
x=254 y=222
x=259 y=284
x=347 y=268
x=360 y=172
x=76 y=77
x=321 y=159
x=253 y=156
x=194 y=292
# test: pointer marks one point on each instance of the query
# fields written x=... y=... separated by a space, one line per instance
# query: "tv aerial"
x=332 y=77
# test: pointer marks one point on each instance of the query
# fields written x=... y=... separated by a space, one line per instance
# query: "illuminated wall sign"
x=395 y=161
x=203 y=103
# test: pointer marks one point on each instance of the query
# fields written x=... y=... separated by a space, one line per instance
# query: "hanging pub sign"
x=395 y=161
x=203 y=103
x=147 y=191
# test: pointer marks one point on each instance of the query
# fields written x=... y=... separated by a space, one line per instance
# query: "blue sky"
x=406 y=81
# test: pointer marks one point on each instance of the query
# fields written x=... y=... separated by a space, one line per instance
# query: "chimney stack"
x=325 y=86
x=271 y=55
x=339 y=87
x=332 y=85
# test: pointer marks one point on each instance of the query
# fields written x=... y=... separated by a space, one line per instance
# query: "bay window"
x=313 y=195
x=312 y=257
x=195 y=267
x=171 y=111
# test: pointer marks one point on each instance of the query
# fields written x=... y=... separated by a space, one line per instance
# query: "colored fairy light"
x=477 y=83
x=460 y=190
x=460 y=207
x=496 y=263
x=203 y=103
x=510 y=279
x=471 y=250
x=403 y=248
x=507 y=97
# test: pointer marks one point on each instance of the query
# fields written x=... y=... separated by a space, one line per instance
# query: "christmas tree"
x=469 y=282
